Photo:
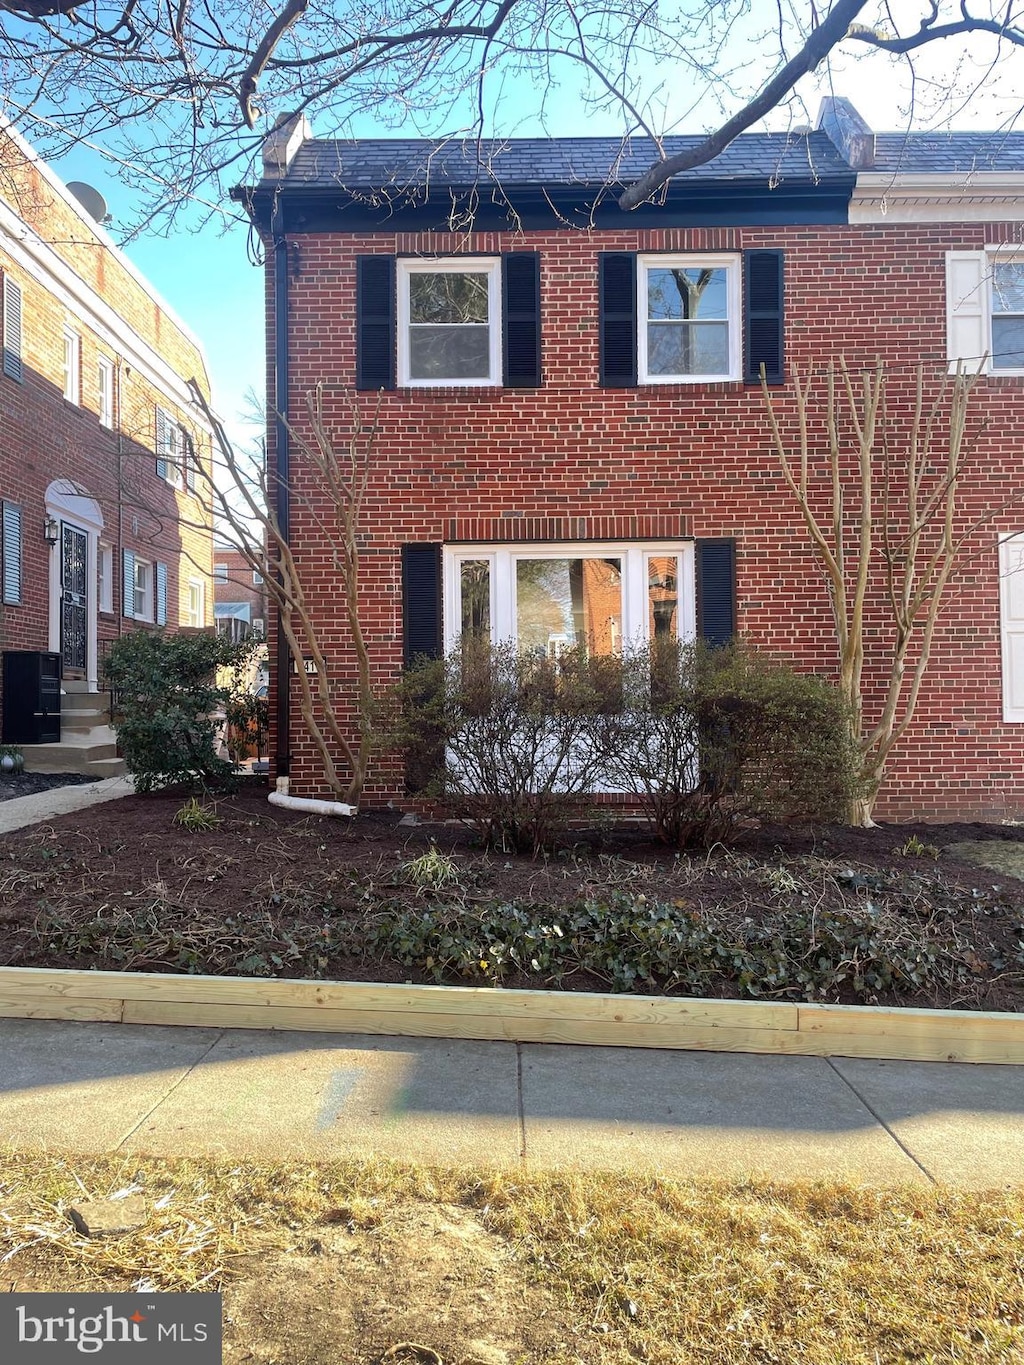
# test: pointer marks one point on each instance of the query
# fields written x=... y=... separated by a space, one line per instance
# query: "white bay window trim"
x=464 y=265
x=634 y=557
x=731 y=264
x=1011 y=621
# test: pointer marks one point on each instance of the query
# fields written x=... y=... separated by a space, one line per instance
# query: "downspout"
x=282 y=475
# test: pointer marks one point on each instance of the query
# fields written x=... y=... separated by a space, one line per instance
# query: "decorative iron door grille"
x=73 y=612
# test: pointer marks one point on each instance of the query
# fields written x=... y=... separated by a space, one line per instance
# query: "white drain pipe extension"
x=310 y=806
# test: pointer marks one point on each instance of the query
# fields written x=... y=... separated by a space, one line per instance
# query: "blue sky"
x=209 y=280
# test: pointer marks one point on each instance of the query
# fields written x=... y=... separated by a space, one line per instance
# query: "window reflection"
x=569 y=604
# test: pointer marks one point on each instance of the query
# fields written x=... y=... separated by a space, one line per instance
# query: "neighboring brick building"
x=104 y=454
x=240 y=594
x=569 y=388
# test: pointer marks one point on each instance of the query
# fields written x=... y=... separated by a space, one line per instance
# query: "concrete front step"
x=92 y=751
x=83 y=710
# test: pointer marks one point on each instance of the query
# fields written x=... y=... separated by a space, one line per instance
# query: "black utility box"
x=31 y=702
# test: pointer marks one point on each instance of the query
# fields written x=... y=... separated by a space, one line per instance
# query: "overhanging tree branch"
x=820 y=43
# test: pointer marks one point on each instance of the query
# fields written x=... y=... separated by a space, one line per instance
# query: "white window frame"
x=462 y=265
x=220 y=573
x=72 y=366
x=970 y=277
x=104 y=577
x=992 y=259
x=634 y=556
x=257 y=578
x=105 y=390
x=145 y=568
x=1011 y=626
x=195 y=611
x=731 y=264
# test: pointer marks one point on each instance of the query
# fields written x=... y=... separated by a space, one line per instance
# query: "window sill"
x=450 y=386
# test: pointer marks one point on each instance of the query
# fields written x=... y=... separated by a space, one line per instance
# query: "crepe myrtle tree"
x=879 y=491
x=180 y=95
x=332 y=439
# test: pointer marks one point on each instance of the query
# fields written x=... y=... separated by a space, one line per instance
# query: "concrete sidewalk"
x=33 y=810
x=188 y=1091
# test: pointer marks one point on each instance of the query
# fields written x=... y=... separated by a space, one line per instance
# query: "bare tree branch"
x=820 y=43
x=173 y=89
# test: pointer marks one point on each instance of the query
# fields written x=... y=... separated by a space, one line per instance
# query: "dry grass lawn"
x=339 y=1263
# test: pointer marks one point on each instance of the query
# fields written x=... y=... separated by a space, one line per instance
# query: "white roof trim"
x=98 y=231
x=41 y=263
x=977 y=196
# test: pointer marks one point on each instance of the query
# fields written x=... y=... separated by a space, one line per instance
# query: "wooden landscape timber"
x=484 y=1012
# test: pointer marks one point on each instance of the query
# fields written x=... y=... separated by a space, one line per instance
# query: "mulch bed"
x=264 y=874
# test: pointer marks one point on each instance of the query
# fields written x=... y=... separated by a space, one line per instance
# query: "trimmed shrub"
x=709 y=739
x=514 y=744
x=167 y=700
x=704 y=739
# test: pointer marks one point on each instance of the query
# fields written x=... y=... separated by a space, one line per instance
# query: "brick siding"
x=575 y=461
x=44 y=437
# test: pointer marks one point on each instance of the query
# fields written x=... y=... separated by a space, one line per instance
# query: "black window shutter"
x=421 y=602
x=716 y=591
x=375 y=322
x=520 y=302
x=617 y=308
x=762 y=339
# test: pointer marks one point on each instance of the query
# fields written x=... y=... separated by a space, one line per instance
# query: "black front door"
x=73 y=603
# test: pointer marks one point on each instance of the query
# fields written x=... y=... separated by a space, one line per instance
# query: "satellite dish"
x=90 y=199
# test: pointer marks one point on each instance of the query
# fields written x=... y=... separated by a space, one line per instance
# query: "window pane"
x=688 y=348
x=475 y=586
x=1008 y=343
x=1008 y=287
x=447 y=297
x=567 y=603
x=689 y=293
x=449 y=352
x=663 y=597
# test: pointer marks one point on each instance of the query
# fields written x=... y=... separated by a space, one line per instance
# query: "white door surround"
x=68 y=501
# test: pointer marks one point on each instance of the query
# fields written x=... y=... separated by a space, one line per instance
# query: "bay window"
x=596 y=597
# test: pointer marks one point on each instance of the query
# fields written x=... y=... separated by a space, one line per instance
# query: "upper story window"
x=985 y=310
x=105 y=390
x=175 y=453
x=1008 y=315
x=674 y=318
x=689 y=309
x=466 y=321
x=72 y=365
x=220 y=573
x=449 y=322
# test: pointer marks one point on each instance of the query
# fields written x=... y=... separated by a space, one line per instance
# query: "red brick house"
x=571 y=396
x=104 y=461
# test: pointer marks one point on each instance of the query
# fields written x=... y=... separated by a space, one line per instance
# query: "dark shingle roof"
x=947 y=153
x=375 y=164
